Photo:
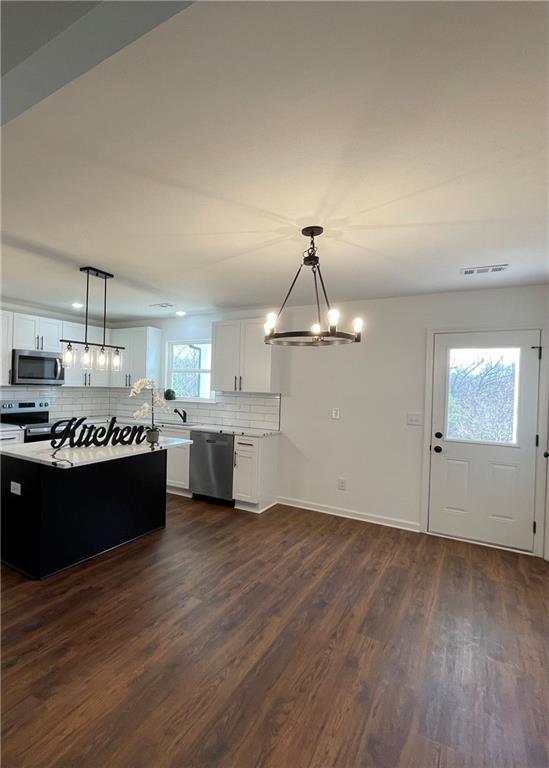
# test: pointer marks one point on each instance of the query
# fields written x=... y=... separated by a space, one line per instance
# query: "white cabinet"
x=245 y=479
x=75 y=376
x=141 y=356
x=178 y=459
x=6 y=346
x=241 y=361
x=25 y=332
x=225 y=356
x=33 y=332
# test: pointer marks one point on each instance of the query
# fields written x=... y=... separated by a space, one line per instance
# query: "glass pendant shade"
x=116 y=360
x=101 y=359
x=86 y=359
x=69 y=357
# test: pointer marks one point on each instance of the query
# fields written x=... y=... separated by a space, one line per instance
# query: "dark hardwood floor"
x=287 y=640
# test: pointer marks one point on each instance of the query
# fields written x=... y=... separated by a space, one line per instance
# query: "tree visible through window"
x=483 y=394
x=188 y=372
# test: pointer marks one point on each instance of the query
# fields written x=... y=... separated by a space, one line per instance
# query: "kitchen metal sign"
x=75 y=433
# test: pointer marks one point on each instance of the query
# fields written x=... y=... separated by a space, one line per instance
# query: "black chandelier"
x=107 y=356
x=316 y=336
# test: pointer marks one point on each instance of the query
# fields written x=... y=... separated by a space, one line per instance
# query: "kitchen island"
x=60 y=507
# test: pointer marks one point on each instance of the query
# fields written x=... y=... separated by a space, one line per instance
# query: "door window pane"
x=483 y=395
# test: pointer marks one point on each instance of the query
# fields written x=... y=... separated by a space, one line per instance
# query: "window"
x=483 y=395
x=188 y=370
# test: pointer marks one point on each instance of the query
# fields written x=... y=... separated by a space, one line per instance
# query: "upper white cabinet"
x=76 y=377
x=241 y=361
x=225 y=356
x=140 y=357
x=33 y=332
x=6 y=346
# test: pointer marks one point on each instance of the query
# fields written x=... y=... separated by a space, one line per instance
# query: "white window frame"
x=168 y=370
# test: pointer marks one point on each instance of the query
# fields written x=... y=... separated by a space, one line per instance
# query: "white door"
x=483 y=454
x=121 y=378
x=25 y=332
x=245 y=470
x=178 y=460
x=225 y=356
x=50 y=331
x=98 y=378
x=74 y=376
x=6 y=342
x=255 y=358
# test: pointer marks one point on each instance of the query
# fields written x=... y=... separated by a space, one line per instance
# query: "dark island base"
x=65 y=516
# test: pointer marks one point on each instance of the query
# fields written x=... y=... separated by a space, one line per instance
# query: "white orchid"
x=156 y=399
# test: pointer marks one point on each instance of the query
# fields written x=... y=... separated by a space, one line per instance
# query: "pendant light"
x=95 y=355
x=316 y=336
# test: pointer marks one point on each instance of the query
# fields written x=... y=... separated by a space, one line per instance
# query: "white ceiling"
x=186 y=163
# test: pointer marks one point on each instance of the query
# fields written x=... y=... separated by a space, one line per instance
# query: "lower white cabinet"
x=178 y=459
x=245 y=479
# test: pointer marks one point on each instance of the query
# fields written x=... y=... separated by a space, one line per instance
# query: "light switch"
x=335 y=413
x=414 y=419
x=15 y=488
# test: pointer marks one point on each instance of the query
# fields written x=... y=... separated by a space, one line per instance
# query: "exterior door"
x=483 y=452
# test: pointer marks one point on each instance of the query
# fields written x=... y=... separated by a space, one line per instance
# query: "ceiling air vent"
x=488 y=269
x=161 y=305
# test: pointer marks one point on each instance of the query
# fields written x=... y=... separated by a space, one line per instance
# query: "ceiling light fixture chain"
x=315 y=337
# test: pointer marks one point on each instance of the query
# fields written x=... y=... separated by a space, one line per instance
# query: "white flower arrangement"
x=156 y=399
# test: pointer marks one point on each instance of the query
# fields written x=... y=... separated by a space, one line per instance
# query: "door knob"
x=546 y=455
x=438 y=435
x=437 y=449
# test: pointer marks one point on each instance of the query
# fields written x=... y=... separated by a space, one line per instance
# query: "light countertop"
x=200 y=427
x=66 y=458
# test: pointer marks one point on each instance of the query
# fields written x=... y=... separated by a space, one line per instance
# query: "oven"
x=31 y=416
x=30 y=366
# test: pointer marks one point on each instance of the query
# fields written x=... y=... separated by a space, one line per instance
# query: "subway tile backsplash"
x=231 y=409
x=255 y=411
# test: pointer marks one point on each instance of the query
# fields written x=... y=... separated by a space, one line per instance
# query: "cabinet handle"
x=41 y=342
x=234 y=463
x=89 y=379
x=240 y=383
x=129 y=379
x=38 y=342
x=235 y=383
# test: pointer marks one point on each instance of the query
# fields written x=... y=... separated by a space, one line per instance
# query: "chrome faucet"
x=182 y=414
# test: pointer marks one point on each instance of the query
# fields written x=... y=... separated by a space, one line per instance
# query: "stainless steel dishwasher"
x=212 y=464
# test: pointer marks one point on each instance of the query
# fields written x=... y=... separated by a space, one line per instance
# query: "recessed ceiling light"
x=77 y=305
x=180 y=313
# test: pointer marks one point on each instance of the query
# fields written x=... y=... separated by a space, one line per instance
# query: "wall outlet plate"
x=341 y=484
x=414 y=419
x=335 y=413
x=15 y=488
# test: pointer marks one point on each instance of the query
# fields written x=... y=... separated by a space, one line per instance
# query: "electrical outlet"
x=15 y=488
x=335 y=413
x=414 y=419
x=341 y=484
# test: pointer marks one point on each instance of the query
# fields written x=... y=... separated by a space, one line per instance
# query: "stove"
x=32 y=416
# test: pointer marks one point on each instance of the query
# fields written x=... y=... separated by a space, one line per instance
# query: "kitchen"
x=275 y=468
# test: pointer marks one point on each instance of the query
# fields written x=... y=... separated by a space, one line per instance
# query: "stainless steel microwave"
x=30 y=366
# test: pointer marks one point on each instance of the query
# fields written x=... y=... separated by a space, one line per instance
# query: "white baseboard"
x=354 y=514
x=245 y=507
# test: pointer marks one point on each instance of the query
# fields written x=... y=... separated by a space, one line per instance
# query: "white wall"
x=374 y=384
